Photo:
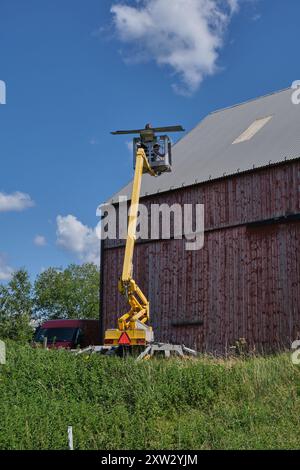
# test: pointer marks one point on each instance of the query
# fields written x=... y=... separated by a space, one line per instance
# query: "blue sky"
x=75 y=70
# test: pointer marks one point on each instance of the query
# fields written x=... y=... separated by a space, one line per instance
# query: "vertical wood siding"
x=244 y=283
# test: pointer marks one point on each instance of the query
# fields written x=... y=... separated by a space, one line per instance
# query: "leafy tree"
x=69 y=293
x=16 y=307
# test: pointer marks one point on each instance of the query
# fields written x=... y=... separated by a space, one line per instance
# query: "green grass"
x=119 y=404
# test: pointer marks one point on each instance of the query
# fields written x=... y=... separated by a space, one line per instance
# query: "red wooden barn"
x=243 y=164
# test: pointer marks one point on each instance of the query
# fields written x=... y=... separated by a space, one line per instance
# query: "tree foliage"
x=69 y=293
x=16 y=307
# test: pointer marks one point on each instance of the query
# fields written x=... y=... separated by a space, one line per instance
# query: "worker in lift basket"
x=156 y=153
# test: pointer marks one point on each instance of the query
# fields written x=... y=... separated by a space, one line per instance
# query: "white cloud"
x=15 y=202
x=5 y=270
x=186 y=36
x=129 y=145
x=40 y=240
x=77 y=238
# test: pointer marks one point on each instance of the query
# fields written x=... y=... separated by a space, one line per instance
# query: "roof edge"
x=219 y=178
x=250 y=100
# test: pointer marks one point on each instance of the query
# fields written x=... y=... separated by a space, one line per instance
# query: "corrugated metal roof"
x=207 y=152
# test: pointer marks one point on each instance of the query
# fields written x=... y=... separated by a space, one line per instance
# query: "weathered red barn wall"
x=244 y=283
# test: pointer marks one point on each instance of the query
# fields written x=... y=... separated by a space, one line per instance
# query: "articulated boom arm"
x=139 y=305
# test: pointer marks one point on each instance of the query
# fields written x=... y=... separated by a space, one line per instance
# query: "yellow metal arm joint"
x=139 y=306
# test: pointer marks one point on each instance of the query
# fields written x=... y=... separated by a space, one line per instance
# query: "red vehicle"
x=69 y=334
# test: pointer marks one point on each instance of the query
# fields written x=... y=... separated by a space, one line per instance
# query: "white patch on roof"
x=252 y=130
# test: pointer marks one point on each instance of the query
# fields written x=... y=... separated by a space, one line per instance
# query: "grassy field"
x=119 y=404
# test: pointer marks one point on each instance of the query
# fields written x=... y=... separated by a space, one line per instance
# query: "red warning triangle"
x=124 y=339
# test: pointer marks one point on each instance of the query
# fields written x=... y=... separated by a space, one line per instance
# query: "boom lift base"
x=166 y=350
x=152 y=350
x=141 y=335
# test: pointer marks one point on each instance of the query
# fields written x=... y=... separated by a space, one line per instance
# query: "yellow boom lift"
x=152 y=155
